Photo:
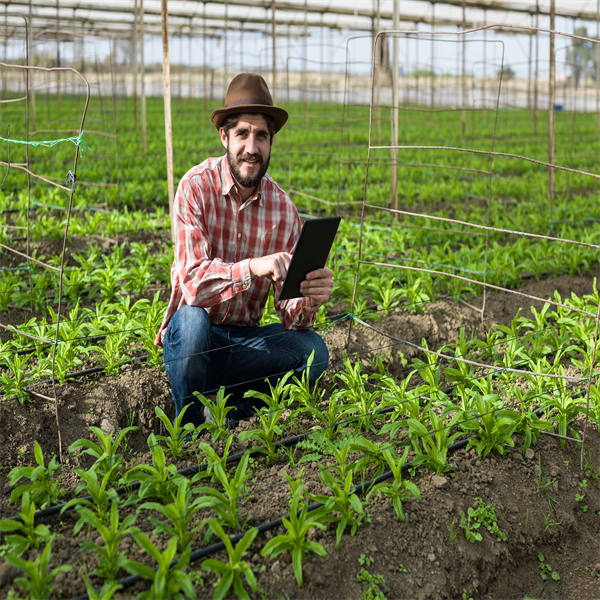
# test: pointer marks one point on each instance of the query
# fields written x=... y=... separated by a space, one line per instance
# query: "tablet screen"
x=310 y=253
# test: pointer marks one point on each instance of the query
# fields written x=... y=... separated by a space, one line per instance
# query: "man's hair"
x=231 y=121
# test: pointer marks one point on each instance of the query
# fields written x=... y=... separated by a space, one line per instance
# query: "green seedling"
x=548 y=521
x=435 y=443
x=219 y=410
x=453 y=533
x=101 y=497
x=369 y=581
x=402 y=569
x=15 y=385
x=224 y=505
x=29 y=534
x=373 y=455
x=546 y=569
x=299 y=523
x=266 y=436
x=543 y=482
x=106 y=454
x=177 y=433
x=495 y=429
x=470 y=527
x=44 y=486
x=38 y=580
x=181 y=515
x=158 y=480
x=112 y=533
x=396 y=489
x=232 y=572
x=301 y=392
x=347 y=505
x=167 y=581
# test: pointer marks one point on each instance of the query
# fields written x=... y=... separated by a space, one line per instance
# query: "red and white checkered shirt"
x=216 y=236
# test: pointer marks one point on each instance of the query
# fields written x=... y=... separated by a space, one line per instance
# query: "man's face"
x=248 y=149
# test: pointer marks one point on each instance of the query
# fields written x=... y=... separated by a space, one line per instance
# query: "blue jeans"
x=201 y=357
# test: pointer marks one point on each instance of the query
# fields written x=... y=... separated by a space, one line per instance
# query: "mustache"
x=256 y=157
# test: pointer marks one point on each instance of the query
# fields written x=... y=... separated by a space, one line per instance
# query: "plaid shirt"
x=216 y=236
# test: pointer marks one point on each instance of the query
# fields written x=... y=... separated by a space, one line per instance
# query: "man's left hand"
x=318 y=286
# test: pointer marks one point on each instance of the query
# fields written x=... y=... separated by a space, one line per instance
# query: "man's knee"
x=189 y=328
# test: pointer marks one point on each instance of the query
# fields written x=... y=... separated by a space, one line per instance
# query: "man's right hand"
x=273 y=266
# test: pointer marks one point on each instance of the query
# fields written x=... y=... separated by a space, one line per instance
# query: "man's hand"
x=318 y=286
x=273 y=266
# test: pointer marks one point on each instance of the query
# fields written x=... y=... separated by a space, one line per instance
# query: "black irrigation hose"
x=203 y=552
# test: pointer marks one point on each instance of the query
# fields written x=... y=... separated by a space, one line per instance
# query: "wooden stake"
x=395 y=82
x=167 y=103
x=135 y=94
x=464 y=74
x=552 y=92
x=274 y=69
x=142 y=76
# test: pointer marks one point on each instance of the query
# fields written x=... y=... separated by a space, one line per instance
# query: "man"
x=235 y=231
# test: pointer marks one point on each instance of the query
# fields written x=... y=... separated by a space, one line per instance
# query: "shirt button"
x=239 y=235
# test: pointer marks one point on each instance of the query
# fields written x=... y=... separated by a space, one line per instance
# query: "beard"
x=249 y=181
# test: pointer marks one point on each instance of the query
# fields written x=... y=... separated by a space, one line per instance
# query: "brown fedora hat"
x=248 y=93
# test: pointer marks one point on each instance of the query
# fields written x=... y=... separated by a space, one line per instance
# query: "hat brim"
x=280 y=116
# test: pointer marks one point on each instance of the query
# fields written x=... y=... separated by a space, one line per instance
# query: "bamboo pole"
x=135 y=94
x=167 y=103
x=464 y=74
x=204 y=71
x=432 y=74
x=30 y=72
x=143 y=76
x=190 y=55
x=552 y=92
x=378 y=73
x=58 y=91
x=395 y=69
x=274 y=59
x=305 y=62
x=529 y=72
x=225 y=48
x=483 y=90
x=597 y=65
x=537 y=67
x=417 y=59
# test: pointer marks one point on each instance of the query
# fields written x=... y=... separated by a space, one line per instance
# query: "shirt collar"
x=228 y=183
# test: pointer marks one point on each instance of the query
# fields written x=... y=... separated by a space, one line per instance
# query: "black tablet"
x=310 y=253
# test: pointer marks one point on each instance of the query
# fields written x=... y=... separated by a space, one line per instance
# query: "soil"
x=419 y=558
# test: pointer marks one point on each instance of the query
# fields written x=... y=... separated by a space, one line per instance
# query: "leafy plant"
x=177 y=433
x=106 y=454
x=38 y=580
x=43 y=486
x=181 y=513
x=225 y=505
x=298 y=525
x=30 y=535
x=166 y=581
x=157 y=480
x=495 y=429
x=219 y=410
x=301 y=392
x=396 y=489
x=435 y=442
x=546 y=569
x=112 y=533
x=101 y=497
x=232 y=571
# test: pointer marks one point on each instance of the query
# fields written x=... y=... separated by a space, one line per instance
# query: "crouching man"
x=235 y=229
